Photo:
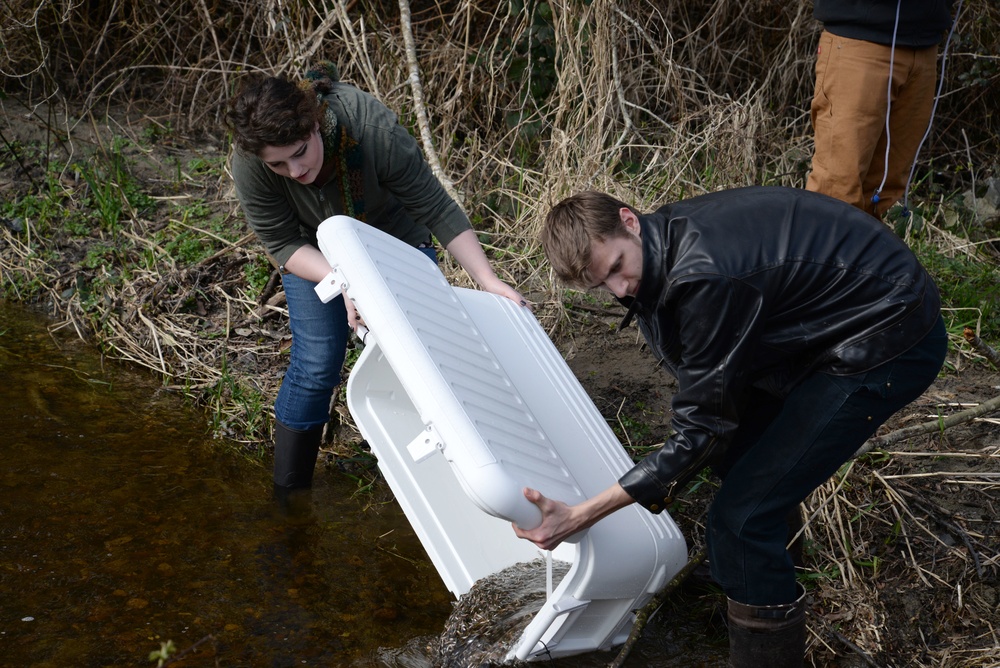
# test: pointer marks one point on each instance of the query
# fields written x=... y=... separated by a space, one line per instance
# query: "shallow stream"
x=124 y=525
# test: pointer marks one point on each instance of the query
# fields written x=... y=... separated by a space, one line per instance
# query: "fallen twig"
x=943 y=518
x=654 y=604
x=879 y=442
x=189 y=650
x=270 y=288
x=597 y=310
x=982 y=347
x=828 y=627
x=17 y=156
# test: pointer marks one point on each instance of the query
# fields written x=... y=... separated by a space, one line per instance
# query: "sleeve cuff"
x=646 y=489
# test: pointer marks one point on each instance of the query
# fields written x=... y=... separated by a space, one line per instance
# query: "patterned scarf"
x=338 y=146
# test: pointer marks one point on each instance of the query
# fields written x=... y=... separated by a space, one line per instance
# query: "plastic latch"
x=425 y=444
x=365 y=335
x=562 y=611
x=328 y=288
x=568 y=604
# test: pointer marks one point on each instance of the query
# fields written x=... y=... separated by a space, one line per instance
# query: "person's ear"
x=630 y=221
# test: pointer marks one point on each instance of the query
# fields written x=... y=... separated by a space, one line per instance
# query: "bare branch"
x=982 y=347
x=418 y=100
x=654 y=604
x=879 y=442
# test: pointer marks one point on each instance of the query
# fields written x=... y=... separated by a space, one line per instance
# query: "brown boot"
x=767 y=636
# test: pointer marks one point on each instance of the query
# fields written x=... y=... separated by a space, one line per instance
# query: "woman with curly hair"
x=307 y=151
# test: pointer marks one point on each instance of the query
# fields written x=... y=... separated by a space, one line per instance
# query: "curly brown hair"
x=273 y=111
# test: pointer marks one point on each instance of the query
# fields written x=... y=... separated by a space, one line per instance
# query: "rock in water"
x=488 y=620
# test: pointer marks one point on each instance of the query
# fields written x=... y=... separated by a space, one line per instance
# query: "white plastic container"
x=465 y=401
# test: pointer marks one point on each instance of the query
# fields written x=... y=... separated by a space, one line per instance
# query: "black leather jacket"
x=757 y=288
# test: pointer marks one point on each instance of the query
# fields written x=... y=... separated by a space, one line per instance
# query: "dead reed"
x=519 y=104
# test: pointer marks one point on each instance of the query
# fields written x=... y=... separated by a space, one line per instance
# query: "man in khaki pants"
x=855 y=111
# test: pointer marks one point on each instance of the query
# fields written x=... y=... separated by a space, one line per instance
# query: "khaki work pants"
x=849 y=119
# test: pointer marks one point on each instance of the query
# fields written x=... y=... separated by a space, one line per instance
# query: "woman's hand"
x=309 y=263
x=498 y=287
x=354 y=319
x=469 y=253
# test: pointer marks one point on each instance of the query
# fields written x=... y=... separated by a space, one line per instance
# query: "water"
x=124 y=525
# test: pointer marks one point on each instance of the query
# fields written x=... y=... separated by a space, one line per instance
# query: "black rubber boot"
x=295 y=453
x=767 y=636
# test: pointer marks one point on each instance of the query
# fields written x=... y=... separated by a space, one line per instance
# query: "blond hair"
x=572 y=225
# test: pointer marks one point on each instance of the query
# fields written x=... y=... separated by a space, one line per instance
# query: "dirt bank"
x=902 y=546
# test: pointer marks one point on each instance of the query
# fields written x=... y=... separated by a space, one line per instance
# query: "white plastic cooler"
x=465 y=401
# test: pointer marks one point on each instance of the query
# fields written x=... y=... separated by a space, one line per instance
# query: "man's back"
x=803 y=278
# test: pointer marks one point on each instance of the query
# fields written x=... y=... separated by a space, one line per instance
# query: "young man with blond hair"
x=795 y=325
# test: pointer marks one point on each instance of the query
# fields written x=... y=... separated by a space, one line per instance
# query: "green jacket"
x=401 y=195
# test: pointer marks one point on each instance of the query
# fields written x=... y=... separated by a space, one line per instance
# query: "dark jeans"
x=319 y=345
x=785 y=449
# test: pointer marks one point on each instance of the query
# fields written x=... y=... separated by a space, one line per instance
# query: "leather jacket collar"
x=654 y=267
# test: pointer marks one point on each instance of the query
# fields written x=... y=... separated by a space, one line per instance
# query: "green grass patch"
x=969 y=288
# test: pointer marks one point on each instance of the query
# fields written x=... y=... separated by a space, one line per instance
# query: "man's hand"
x=557 y=521
x=560 y=521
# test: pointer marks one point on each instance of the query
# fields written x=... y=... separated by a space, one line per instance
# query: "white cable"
x=888 y=104
x=930 y=121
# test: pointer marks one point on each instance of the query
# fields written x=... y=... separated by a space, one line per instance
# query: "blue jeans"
x=786 y=448
x=319 y=344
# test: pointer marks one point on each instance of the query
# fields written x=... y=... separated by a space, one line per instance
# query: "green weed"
x=154 y=132
x=162 y=655
x=206 y=166
x=257 y=272
x=831 y=572
x=189 y=248
x=636 y=429
x=43 y=209
x=236 y=407
x=112 y=192
x=968 y=288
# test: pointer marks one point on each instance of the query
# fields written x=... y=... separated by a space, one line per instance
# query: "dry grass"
x=648 y=101
x=905 y=576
